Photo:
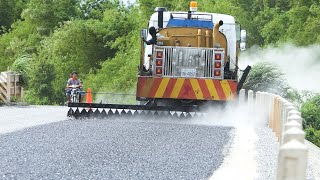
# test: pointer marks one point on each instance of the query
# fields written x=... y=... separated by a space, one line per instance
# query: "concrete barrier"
x=286 y=122
x=294 y=112
x=292 y=161
x=292 y=124
x=9 y=87
x=242 y=96
x=293 y=133
x=295 y=117
x=258 y=99
x=250 y=99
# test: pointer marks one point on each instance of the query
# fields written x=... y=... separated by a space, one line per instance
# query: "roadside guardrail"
x=285 y=121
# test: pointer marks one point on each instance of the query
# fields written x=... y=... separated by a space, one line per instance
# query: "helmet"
x=152 y=30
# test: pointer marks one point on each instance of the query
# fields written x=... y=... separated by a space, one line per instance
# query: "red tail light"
x=158 y=70
x=217 y=65
x=217 y=73
x=217 y=56
x=159 y=54
x=159 y=62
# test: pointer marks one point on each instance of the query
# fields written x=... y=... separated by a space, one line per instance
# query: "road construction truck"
x=188 y=60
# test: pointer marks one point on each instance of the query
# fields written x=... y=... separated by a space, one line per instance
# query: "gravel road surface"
x=39 y=142
x=106 y=149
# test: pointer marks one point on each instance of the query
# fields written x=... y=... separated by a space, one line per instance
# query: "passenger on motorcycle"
x=74 y=82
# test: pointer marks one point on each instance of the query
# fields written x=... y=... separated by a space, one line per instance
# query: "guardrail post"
x=283 y=118
x=276 y=116
x=293 y=133
x=270 y=109
x=280 y=120
x=292 y=161
x=242 y=96
x=250 y=99
x=295 y=117
x=257 y=103
x=292 y=124
x=265 y=104
x=294 y=111
x=257 y=100
x=270 y=99
x=288 y=107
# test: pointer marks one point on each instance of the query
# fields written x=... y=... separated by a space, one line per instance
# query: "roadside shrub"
x=266 y=77
x=313 y=136
x=311 y=113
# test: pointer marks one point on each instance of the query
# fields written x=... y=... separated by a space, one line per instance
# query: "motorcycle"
x=75 y=95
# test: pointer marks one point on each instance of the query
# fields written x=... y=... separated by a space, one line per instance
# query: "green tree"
x=273 y=31
x=311 y=30
x=75 y=46
x=41 y=78
x=18 y=42
x=38 y=20
x=10 y=12
x=283 y=5
x=46 y=14
x=297 y=18
x=119 y=74
x=94 y=9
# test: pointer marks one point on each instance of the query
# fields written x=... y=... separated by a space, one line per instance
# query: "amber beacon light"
x=193 y=6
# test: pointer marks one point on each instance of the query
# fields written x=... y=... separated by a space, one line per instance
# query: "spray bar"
x=136 y=107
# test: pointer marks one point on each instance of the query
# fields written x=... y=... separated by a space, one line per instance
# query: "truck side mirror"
x=144 y=33
x=238 y=32
x=243 y=40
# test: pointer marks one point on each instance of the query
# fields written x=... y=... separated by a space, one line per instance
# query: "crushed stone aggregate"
x=112 y=149
x=39 y=142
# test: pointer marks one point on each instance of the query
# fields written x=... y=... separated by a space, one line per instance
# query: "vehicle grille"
x=177 y=59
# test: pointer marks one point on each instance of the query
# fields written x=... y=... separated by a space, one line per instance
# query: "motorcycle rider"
x=73 y=80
